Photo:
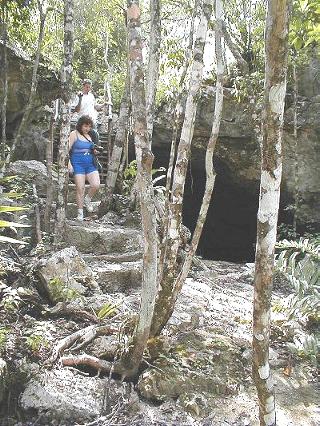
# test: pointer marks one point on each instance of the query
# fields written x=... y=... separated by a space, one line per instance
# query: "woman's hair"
x=84 y=119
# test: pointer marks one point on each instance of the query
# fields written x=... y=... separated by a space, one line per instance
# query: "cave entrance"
x=230 y=230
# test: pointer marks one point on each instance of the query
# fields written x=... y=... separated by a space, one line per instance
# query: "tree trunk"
x=153 y=61
x=176 y=127
x=115 y=159
x=108 y=102
x=132 y=359
x=34 y=83
x=276 y=46
x=242 y=64
x=66 y=76
x=210 y=173
x=49 y=160
x=183 y=155
x=4 y=84
x=296 y=157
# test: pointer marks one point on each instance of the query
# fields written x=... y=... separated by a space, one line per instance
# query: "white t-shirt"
x=87 y=106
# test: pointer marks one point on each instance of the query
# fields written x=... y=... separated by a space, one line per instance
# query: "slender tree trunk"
x=49 y=160
x=66 y=76
x=242 y=64
x=37 y=215
x=210 y=173
x=296 y=157
x=4 y=83
x=183 y=155
x=34 y=83
x=108 y=101
x=276 y=46
x=132 y=359
x=153 y=61
x=115 y=159
x=176 y=126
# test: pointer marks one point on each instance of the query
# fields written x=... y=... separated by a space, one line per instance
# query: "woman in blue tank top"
x=81 y=164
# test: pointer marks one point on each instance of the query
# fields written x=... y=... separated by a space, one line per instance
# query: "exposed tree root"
x=85 y=335
x=88 y=360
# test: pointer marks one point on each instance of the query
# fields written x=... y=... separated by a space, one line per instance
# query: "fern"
x=299 y=262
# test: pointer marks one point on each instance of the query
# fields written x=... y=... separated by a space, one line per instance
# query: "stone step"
x=113 y=257
x=117 y=277
x=92 y=237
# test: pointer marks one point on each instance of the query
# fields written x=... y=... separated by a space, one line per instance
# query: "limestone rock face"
x=65 y=275
x=3 y=378
x=237 y=156
x=59 y=393
x=31 y=171
x=19 y=78
x=98 y=239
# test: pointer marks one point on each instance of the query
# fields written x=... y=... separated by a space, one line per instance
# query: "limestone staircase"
x=111 y=248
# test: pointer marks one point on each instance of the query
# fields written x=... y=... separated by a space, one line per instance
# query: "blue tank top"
x=79 y=146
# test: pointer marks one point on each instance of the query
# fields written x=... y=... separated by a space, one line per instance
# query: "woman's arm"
x=72 y=138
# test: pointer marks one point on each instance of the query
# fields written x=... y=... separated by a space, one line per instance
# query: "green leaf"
x=4 y=209
x=13 y=195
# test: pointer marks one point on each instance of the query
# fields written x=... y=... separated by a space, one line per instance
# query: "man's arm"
x=99 y=107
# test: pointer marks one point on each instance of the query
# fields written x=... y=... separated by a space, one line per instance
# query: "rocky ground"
x=197 y=373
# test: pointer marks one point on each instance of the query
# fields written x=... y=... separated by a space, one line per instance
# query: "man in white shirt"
x=86 y=105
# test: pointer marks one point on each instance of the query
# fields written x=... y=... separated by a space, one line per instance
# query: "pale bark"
x=183 y=155
x=34 y=83
x=115 y=158
x=276 y=47
x=210 y=172
x=108 y=101
x=153 y=61
x=132 y=359
x=176 y=126
x=66 y=76
x=4 y=76
x=49 y=162
x=296 y=157
x=242 y=64
x=37 y=215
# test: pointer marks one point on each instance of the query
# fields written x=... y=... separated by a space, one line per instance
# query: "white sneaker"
x=87 y=204
x=80 y=215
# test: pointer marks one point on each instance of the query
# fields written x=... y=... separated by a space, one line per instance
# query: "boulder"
x=118 y=277
x=65 y=275
x=31 y=171
x=64 y=395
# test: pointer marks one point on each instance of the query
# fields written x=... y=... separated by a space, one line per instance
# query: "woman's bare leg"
x=80 y=181
x=94 y=182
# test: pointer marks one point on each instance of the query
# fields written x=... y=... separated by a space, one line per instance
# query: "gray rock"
x=3 y=378
x=237 y=154
x=117 y=277
x=64 y=395
x=65 y=275
x=94 y=238
x=32 y=171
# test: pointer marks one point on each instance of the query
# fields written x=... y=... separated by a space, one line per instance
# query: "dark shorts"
x=83 y=164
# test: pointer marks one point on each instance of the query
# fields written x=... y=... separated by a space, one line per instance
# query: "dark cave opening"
x=229 y=232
